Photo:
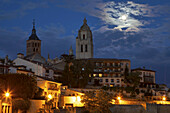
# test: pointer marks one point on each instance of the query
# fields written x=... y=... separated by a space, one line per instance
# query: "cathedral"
x=84 y=46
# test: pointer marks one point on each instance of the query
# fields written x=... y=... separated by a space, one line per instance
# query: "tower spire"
x=70 y=51
x=85 y=21
x=33 y=23
x=33 y=30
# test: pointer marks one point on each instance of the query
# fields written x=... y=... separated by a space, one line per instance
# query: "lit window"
x=100 y=75
x=111 y=85
x=94 y=75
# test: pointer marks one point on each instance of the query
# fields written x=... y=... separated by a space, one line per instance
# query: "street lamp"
x=50 y=97
x=118 y=98
x=7 y=94
x=164 y=98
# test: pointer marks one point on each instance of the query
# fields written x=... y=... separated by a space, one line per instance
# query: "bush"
x=20 y=104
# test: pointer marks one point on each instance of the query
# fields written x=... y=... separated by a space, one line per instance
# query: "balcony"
x=53 y=88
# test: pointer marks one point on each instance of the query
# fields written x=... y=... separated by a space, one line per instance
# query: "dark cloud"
x=139 y=47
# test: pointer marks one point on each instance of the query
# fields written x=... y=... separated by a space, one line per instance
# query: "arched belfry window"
x=81 y=48
x=83 y=36
x=86 y=48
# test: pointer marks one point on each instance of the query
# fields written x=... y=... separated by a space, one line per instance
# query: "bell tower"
x=33 y=43
x=84 y=42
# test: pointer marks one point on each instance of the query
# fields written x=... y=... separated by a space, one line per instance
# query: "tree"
x=76 y=72
x=20 y=85
x=67 y=78
x=80 y=70
x=67 y=58
x=133 y=78
x=21 y=104
x=97 y=101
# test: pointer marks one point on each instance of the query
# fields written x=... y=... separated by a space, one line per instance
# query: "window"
x=112 y=80
x=118 y=81
x=32 y=44
x=106 y=80
x=81 y=48
x=34 y=50
x=83 y=36
x=86 y=48
x=35 y=44
x=101 y=80
x=100 y=75
x=47 y=71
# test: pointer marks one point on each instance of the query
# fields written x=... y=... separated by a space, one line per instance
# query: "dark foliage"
x=20 y=85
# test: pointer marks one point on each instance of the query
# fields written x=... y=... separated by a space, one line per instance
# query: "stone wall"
x=127 y=109
x=150 y=108
x=157 y=108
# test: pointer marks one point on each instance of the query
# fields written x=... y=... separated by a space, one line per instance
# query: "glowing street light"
x=118 y=98
x=164 y=98
x=50 y=97
x=7 y=94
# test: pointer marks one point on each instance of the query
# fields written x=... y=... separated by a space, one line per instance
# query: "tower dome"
x=85 y=27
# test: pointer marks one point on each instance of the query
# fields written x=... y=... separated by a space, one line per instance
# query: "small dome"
x=85 y=27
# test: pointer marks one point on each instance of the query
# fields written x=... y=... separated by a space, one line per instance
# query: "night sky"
x=137 y=30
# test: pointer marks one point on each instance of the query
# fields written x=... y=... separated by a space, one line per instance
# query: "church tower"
x=84 y=42
x=33 y=43
x=71 y=51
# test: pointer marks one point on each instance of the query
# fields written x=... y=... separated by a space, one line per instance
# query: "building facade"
x=84 y=42
x=50 y=88
x=147 y=81
x=109 y=72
